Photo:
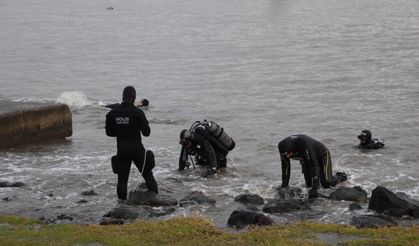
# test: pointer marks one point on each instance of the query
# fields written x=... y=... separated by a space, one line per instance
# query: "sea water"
x=262 y=69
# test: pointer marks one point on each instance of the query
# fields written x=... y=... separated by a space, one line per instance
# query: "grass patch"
x=192 y=231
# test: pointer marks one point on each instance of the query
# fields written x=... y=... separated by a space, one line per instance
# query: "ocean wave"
x=75 y=99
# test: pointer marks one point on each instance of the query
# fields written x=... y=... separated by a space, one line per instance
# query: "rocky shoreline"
x=384 y=207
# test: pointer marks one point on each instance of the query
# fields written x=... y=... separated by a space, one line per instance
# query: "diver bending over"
x=315 y=161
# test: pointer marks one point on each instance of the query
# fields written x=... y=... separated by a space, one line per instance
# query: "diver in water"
x=367 y=142
x=143 y=104
x=207 y=149
x=315 y=161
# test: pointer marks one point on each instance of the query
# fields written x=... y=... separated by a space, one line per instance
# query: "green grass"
x=192 y=231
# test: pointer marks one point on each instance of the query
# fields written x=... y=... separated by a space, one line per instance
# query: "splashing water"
x=74 y=99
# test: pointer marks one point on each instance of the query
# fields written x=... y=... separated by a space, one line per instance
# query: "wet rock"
x=142 y=196
x=290 y=193
x=356 y=194
x=354 y=206
x=111 y=221
x=64 y=217
x=198 y=197
x=187 y=203
x=284 y=206
x=249 y=198
x=4 y=184
x=385 y=201
x=122 y=213
x=372 y=221
x=150 y=198
x=89 y=193
x=48 y=220
x=242 y=218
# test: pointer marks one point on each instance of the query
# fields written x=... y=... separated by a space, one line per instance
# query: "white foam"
x=74 y=99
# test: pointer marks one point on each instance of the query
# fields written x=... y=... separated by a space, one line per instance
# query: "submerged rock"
x=242 y=218
x=372 y=221
x=4 y=184
x=249 y=198
x=385 y=201
x=356 y=194
x=197 y=197
x=284 y=206
x=142 y=196
x=354 y=206
x=89 y=193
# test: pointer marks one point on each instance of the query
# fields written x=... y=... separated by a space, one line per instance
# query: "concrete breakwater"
x=23 y=122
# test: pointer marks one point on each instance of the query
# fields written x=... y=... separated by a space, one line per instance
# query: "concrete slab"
x=26 y=122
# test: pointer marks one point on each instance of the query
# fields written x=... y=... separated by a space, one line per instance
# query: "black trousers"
x=124 y=167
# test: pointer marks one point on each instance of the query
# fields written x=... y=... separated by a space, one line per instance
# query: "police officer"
x=204 y=147
x=315 y=161
x=127 y=122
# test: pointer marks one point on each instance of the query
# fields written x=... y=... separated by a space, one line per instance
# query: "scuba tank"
x=220 y=135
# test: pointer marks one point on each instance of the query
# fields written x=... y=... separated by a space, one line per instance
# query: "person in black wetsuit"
x=204 y=147
x=142 y=104
x=127 y=122
x=315 y=161
x=367 y=142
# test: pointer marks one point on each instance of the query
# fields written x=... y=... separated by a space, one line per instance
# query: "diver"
x=127 y=122
x=315 y=161
x=367 y=142
x=143 y=104
x=208 y=143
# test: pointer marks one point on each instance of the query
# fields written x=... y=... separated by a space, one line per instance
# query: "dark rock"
x=64 y=217
x=290 y=193
x=47 y=220
x=385 y=201
x=6 y=199
x=198 y=197
x=284 y=206
x=142 y=196
x=187 y=203
x=356 y=194
x=50 y=194
x=4 y=184
x=89 y=193
x=111 y=221
x=82 y=201
x=122 y=213
x=372 y=221
x=354 y=206
x=249 y=198
x=242 y=218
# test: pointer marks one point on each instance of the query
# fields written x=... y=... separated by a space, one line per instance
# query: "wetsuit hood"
x=129 y=94
x=365 y=137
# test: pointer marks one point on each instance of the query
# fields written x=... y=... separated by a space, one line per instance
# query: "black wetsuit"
x=206 y=149
x=314 y=158
x=371 y=144
x=126 y=122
